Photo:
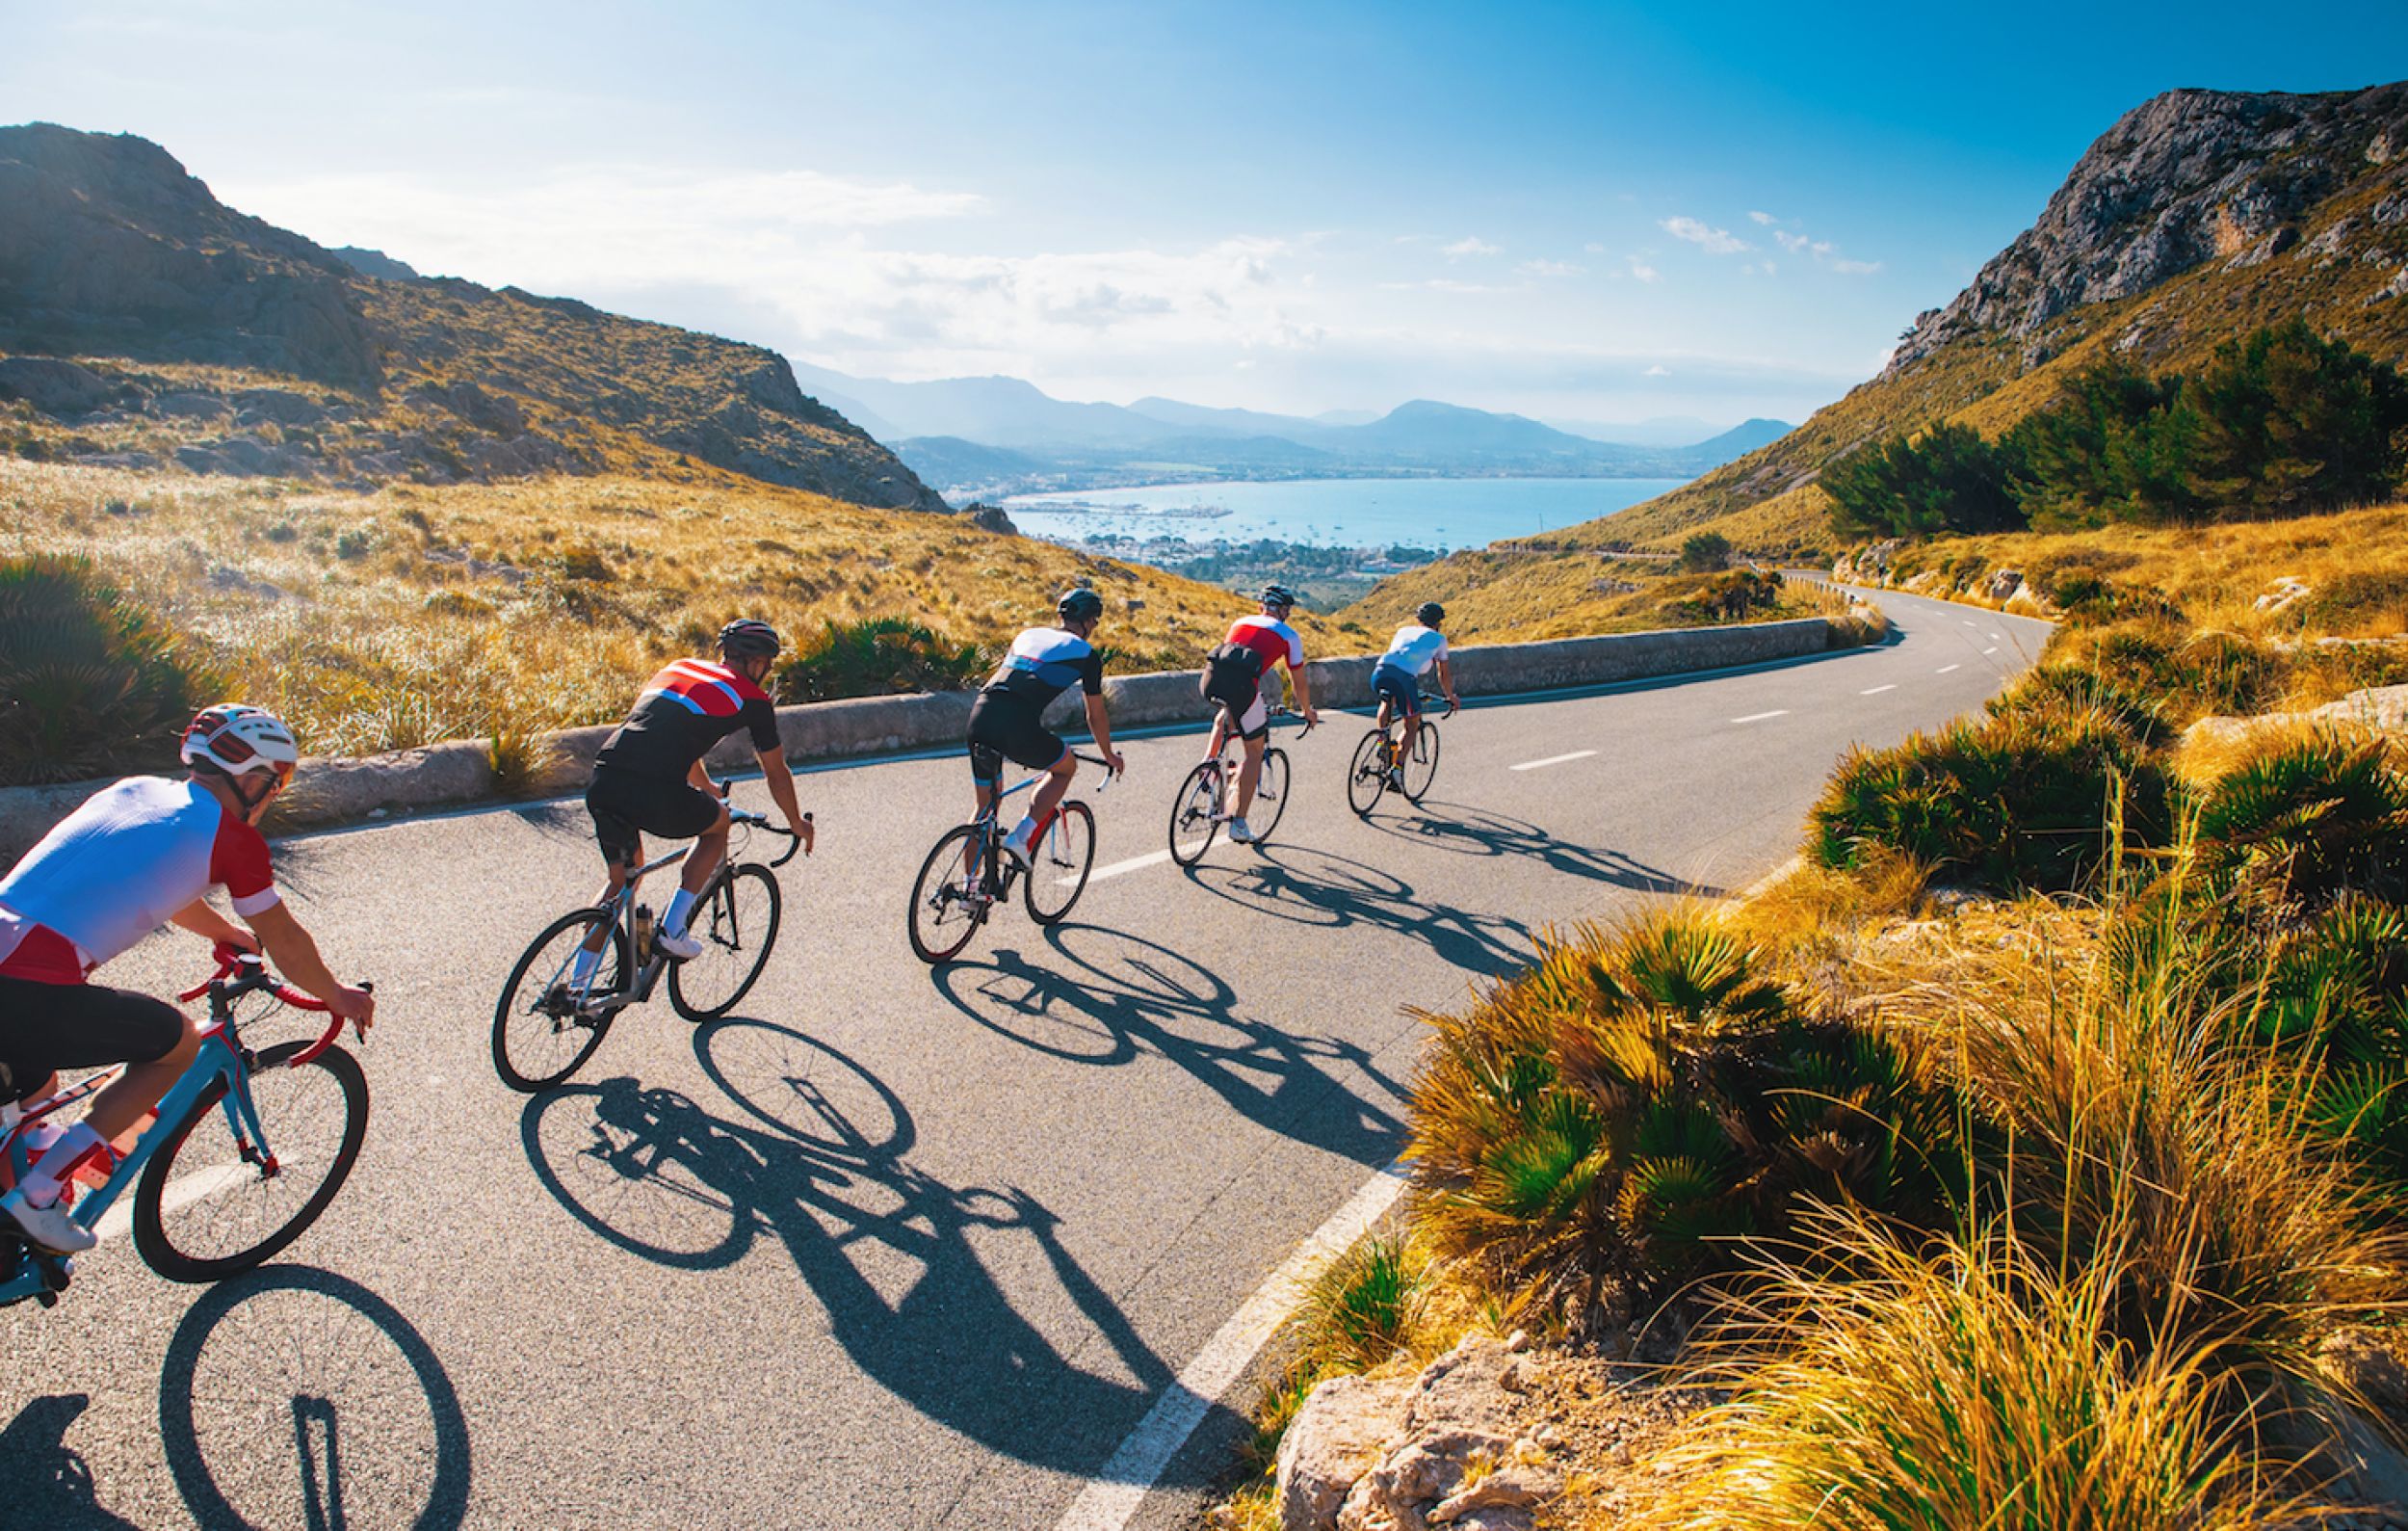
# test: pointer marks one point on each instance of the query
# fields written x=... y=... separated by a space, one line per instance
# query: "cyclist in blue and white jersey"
x=1418 y=649
x=1007 y=721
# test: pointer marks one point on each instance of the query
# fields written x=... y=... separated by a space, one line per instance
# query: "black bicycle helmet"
x=1080 y=605
x=748 y=638
x=1279 y=596
x=1430 y=613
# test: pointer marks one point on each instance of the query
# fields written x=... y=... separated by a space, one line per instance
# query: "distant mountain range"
x=974 y=436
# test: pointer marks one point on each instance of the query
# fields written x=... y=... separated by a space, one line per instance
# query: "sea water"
x=1447 y=514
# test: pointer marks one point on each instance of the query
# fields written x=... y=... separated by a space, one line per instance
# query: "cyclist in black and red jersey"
x=649 y=777
x=1233 y=676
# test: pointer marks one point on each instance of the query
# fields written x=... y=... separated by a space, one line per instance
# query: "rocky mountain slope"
x=145 y=325
x=2197 y=216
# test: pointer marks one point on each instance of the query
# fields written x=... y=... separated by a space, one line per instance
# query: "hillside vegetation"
x=2198 y=217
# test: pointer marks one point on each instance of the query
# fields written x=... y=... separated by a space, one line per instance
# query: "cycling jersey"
x=1270 y=637
x=1414 y=650
x=1043 y=663
x=117 y=869
x=684 y=711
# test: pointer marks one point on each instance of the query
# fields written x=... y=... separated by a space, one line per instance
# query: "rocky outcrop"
x=2186 y=179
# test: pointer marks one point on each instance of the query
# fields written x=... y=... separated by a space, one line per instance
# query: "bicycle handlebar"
x=255 y=979
x=761 y=821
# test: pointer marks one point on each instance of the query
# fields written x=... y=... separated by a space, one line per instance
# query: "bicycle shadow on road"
x=48 y=1482
x=1321 y=889
x=1122 y=996
x=1467 y=831
x=819 y=1168
x=293 y=1396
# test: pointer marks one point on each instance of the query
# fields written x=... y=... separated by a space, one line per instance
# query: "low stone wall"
x=333 y=792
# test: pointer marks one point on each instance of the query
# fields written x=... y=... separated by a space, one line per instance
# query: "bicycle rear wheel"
x=1421 y=766
x=948 y=905
x=1368 y=776
x=1192 y=813
x=211 y=1205
x=1058 y=864
x=737 y=924
x=544 y=1026
x=1270 y=795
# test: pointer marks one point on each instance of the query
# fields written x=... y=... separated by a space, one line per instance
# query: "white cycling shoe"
x=1018 y=849
x=685 y=946
x=46 y=1227
x=1241 y=832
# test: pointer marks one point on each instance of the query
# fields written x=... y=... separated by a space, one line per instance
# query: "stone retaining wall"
x=334 y=792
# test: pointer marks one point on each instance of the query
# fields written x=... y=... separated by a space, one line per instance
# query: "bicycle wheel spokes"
x=1270 y=795
x=1192 y=812
x=213 y=1203
x=548 y=1021
x=1059 y=866
x=1368 y=776
x=737 y=924
x=1421 y=765
x=948 y=901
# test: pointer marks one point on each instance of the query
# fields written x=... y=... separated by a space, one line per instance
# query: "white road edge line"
x=1122 y=1483
x=1553 y=759
x=1758 y=717
x=1132 y=865
x=1945 y=668
x=1875 y=691
x=181 y=1192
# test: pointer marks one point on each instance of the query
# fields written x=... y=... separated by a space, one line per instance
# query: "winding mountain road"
x=888 y=1247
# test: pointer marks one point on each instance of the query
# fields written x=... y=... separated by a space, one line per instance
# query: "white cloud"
x=1715 y=241
x=1470 y=245
x=1550 y=268
x=1856 y=268
x=1659 y=370
x=1765 y=219
x=1643 y=270
x=1594 y=249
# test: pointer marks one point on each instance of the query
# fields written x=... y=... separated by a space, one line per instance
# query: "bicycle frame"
x=622 y=908
x=990 y=825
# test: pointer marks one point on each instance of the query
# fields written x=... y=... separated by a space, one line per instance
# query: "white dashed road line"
x=1132 y=865
x=1992 y=649
x=1758 y=717
x=1553 y=759
x=1945 y=668
x=181 y=1192
x=1875 y=691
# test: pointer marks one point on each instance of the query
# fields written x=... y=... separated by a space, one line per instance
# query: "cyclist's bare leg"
x=138 y=1088
x=710 y=848
x=616 y=880
x=1412 y=732
x=1221 y=732
x=1054 y=787
x=1250 y=775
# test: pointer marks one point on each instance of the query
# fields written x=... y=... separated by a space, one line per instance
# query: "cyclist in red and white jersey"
x=1233 y=676
x=135 y=856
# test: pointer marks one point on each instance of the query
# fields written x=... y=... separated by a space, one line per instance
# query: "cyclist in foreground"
x=1007 y=720
x=648 y=776
x=141 y=853
x=1418 y=649
x=1233 y=676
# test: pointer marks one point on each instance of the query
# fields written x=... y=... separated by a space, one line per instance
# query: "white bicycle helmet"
x=240 y=740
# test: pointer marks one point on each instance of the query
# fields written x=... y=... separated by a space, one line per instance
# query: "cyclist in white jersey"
x=1007 y=721
x=1418 y=649
x=134 y=857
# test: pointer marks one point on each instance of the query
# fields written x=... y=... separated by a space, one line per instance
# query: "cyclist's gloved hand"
x=1312 y=717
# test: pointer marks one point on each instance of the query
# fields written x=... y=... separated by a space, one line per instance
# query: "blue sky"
x=1598 y=212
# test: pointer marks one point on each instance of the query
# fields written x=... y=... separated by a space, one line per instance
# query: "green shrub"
x=2168 y=674
x=1704 y=553
x=2302 y=824
x=2019 y=800
x=1947 y=479
x=91 y=681
x=880 y=657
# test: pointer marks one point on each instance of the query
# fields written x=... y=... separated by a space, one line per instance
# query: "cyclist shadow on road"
x=48 y=1481
x=1112 y=997
x=293 y=1396
x=1467 y=831
x=902 y=1263
x=1321 y=889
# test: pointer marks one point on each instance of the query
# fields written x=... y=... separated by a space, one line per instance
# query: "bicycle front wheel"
x=1270 y=795
x=1368 y=776
x=1192 y=813
x=1058 y=865
x=948 y=901
x=546 y=1023
x=212 y=1204
x=737 y=924
x=1420 y=767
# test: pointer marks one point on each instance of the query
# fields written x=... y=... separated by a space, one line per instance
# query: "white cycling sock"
x=59 y=1161
x=679 y=907
x=1024 y=833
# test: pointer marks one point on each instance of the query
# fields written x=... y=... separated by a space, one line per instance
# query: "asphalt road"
x=889 y=1247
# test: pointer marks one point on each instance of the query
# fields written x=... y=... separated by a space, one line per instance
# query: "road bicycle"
x=1197 y=812
x=548 y=1021
x=968 y=873
x=1374 y=767
x=207 y=1205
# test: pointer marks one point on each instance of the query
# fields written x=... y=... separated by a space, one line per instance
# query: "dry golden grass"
x=1524 y=598
x=386 y=619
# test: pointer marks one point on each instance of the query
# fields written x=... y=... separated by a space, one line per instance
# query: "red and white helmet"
x=239 y=740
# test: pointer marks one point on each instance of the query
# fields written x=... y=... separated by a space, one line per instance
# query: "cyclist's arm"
x=1100 y=722
x=780 y=777
x=701 y=780
x=209 y=925
x=296 y=956
x=1304 y=689
x=1446 y=682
